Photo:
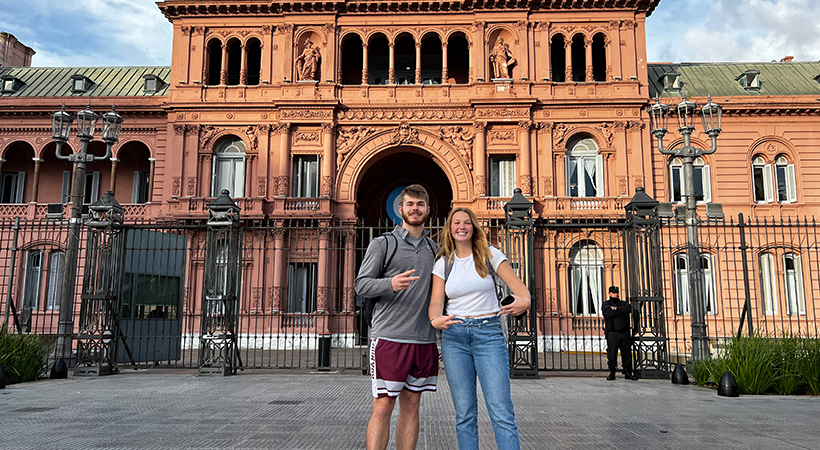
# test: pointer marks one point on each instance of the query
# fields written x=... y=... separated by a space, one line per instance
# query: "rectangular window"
x=56 y=268
x=793 y=273
x=92 y=187
x=707 y=284
x=31 y=282
x=11 y=189
x=768 y=285
x=302 y=287
x=502 y=176
x=139 y=191
x=786 y=188
x=677 y=189
x=306 y=176
x=585 y=176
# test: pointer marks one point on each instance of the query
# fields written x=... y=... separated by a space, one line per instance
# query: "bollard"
x=324 y=352
x=2 y=379
x=59 y=370
x=728 y=386
x=679 y=376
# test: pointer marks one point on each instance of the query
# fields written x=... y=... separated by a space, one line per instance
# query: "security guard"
x=617 y=319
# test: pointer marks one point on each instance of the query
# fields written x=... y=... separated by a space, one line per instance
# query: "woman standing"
x=472 y=340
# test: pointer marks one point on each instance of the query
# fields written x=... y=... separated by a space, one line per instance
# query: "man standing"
x=617 y=318
x=403 y=353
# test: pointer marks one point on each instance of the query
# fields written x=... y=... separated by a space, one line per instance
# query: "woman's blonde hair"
x=481 y=247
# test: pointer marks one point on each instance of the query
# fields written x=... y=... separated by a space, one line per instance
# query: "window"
x=672 y=82
x=139 y=191
x=302 y=287
x=586 y=272
x=585 y=168
x=502 y=176
x=80 y=83
x=306 y=176
x=703 y=183
x=768 y=285
x=92 y=187
x=793 y=281
x=151 y=83
x=768 y=186
x=31 y=279
x=750 y=80
x=10 y=84
x=682 y=283
x=229 y=168
x=56 y=268
x=11 y=189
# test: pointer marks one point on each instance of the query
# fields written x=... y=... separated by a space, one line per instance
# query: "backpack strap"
x=388 y=254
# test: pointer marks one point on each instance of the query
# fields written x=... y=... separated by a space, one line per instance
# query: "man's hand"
x=402 y=281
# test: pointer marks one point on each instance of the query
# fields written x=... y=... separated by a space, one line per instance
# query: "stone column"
x=328 y=160
x=418 y=62
x=113 y=184
x=364 y=63
x=350 y=270
x=524 y=171
x=590 y=75
x=279 y=267
x=36 y=182
x=243 y=73
x=321 y=282
x=480 y=160
x=223 y=74
x=153 y=163
x=206 y=164
x=443 y=63
x=284 y=160
x=568 y=59
x=392 y=72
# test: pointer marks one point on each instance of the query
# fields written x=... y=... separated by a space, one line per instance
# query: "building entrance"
x=390 y=171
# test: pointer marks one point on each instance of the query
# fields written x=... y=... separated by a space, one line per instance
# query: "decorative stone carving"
x=559 y=132
x=405 y=135
x=176 y=187
x=637 y=181
x=253 y=139
x=191 y=187
x=310 y=137
x=606 y=130
x=502 y=112
x=481 y=185
x=282 y=188
x=349 y=139
x=327 y=186
x=501 y=59
x=526 y=184
x=461 y=139
x=307 y=62
x=261 y=183
x=306 y=114
x=206 y=133
x=547 y=181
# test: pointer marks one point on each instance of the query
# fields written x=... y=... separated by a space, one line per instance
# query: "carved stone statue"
x=350 y=139
x=307 y=62
x=461 y=139
x=501 y=59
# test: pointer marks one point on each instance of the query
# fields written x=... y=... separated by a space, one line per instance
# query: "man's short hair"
x=414 y=190
x=613 y=290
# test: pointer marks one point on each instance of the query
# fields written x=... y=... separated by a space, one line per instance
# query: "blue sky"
x=135 y=33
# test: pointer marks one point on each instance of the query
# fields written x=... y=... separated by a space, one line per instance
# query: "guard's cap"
x=613 y=290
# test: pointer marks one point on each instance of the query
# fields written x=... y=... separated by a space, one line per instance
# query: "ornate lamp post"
x=711 y=116
x=61 y=128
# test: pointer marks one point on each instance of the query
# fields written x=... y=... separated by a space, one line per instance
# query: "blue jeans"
x=477 y=347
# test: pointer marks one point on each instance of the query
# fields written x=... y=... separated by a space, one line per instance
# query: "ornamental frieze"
x=305 y=114
x=502 y=112
x=406 y=113
x=405 y=134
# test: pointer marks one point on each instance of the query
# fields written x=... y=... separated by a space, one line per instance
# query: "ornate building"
x=321 y=111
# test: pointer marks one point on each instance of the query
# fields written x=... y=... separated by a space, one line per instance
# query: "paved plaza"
x=168 y=409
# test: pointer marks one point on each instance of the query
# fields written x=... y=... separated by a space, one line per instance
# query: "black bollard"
x=679 y=376
x=2 y=379
x=59 y=370
x=728 y=386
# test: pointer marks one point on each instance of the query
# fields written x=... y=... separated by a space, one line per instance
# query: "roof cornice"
x=178 y=9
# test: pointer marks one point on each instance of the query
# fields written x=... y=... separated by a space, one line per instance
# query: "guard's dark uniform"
x=618 y=334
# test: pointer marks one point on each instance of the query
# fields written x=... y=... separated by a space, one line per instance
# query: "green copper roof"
x=720 y=79
x=105 y=81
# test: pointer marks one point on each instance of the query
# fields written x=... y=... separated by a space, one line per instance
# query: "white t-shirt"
x=468 y=294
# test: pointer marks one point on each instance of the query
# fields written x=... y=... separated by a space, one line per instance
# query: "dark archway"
x=396 y=167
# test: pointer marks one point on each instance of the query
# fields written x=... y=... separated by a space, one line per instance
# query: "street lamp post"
x=61 y=128
x=711 y=115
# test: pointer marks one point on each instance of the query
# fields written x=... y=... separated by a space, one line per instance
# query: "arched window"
x=579 y=58
x=677 y=183
x=599 y=57
x=682 y=283
x=784 y=176
x=431 y=59
x=558 y=58
x=351 y=60
x=458 y=59
x=762 y=180
x=214 y=62
x=234 y=62
x=586 y=279
x=405 y=60
x=254 y=49
x=584 y=168
x=229 y=168
x=378 y=60
x=780 y=185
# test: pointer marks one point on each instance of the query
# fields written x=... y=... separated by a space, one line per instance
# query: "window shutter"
x=239 y=178
x=768 y=183
x=798 y=273
x=599 y=176
x=21 y=186
x=707 y=184
x=791 y=183
x=95 y=187
x=66 y=194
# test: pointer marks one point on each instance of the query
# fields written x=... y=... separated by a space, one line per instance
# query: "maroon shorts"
x=395 y=366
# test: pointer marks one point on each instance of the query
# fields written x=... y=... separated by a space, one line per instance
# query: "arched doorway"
x=395 y=168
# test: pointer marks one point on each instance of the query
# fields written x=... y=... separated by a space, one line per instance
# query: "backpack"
x=369 y=303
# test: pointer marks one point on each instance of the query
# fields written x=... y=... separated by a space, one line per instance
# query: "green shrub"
x=716 y=367
x=808 y=364
x=752 y=361
x=22 y=356
x=786 y=365
x=700 y=371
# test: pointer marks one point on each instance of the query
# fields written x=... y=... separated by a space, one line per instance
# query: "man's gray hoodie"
x=399 y=316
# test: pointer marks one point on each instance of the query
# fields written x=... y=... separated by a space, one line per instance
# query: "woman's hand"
x=443 y=322
x=516 y=308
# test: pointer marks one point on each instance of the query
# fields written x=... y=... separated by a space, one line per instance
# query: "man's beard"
x=416 y=223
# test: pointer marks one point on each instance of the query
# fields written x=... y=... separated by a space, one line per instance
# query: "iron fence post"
x=747 y=304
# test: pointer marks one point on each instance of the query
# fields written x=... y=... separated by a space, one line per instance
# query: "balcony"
x=35 y=211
